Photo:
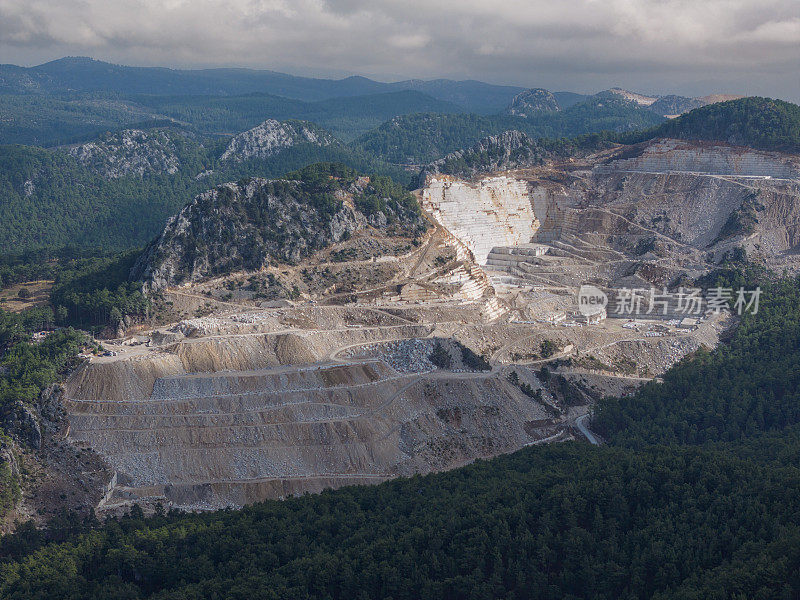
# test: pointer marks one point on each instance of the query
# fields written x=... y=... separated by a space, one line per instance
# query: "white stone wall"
x=495 y=211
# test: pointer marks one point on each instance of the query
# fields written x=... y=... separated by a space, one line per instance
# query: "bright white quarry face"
x=496 y=211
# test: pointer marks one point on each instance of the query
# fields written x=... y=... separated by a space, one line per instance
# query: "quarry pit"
x=431 y=358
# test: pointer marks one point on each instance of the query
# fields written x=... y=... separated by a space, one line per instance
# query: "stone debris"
x=404 y=356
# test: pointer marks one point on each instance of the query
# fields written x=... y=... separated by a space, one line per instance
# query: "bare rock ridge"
x=271 y=136
x=248 y=225
x=137 y=152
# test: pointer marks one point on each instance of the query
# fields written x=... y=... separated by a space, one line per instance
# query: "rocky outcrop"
x=272 y=136
x=509 y=150
x=131 y=152
x=671 y=105
x=640 y=99
x=30 y=423
x=247 y=225
x=21 y=420
x=532 y=102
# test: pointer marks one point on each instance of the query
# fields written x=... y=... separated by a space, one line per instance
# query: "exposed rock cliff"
x=681 y=205
x=246 y=225
x=272 y=136
x=496 y=211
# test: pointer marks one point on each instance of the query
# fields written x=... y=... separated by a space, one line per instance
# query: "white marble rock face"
x=496 y=211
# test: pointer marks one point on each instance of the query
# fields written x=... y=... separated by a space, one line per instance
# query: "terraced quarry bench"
x=208 y=438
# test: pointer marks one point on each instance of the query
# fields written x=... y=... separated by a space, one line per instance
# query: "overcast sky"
x=658 y=46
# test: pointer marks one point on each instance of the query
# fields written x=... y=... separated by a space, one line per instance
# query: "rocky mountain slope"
x=671 y=105
x=247 y=225
x=272 y=136
x=509 y=150
x=133 y=152
x=531 y=102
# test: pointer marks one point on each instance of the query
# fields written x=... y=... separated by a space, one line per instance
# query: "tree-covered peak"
x=762 y=123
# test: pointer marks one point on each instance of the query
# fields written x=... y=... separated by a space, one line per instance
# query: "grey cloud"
x=655 y=45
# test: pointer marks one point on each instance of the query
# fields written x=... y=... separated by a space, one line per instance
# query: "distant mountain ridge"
x=80 y=74
x=671 y=105
x=45 y=120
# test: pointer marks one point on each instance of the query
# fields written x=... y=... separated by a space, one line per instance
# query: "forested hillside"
x=52 y=120
x=422 y=138
x=761 y=123
x=694 y=497
x=67 y=118
x=509 y=150
x=346 y=117
x=49 y=199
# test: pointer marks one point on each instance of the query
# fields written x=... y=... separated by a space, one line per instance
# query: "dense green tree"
x=757 y=122
x=694 y=497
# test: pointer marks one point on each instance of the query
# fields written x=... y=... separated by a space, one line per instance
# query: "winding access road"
x=580 y=424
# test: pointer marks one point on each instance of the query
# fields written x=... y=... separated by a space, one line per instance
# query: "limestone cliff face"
x=272 y=136
x=532 y=102
x=247 y=225
x=131 y=152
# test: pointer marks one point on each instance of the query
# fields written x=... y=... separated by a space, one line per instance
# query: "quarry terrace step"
x=278 y=381
x=668 y=156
